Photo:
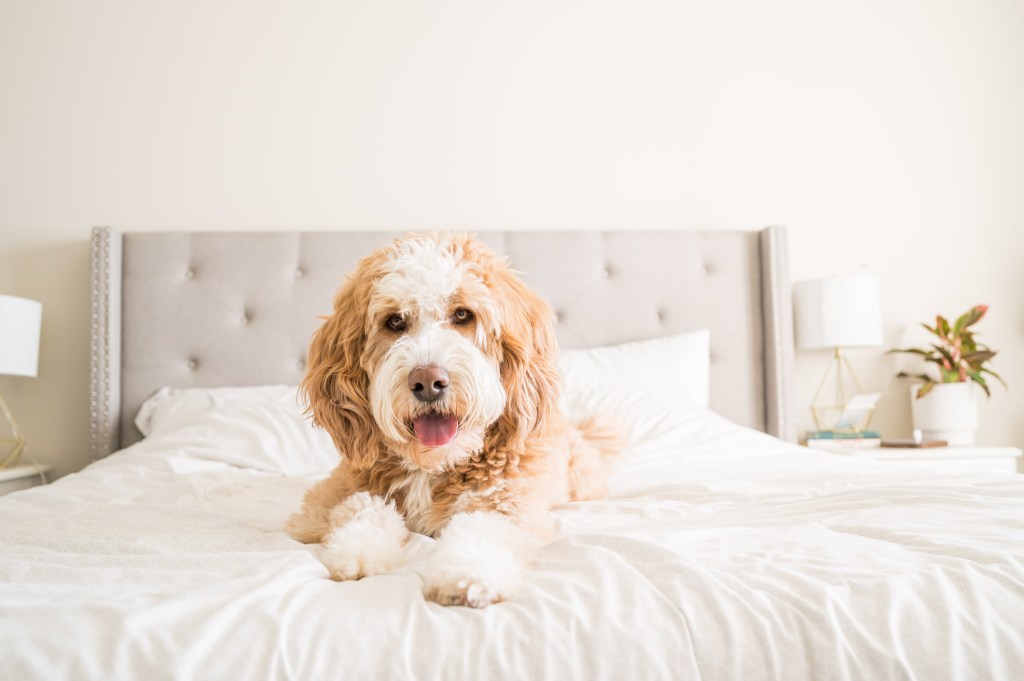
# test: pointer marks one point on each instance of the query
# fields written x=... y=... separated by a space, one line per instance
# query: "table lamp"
x=837 y=313
x=19 y=356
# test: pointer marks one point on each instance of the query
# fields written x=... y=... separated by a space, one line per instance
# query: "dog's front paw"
x=453 y=588
x=366 y=540
x=354 y=555
x=478 y=561
x=474 y=593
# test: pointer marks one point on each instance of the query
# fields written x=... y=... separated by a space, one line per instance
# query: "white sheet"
x=721 y=553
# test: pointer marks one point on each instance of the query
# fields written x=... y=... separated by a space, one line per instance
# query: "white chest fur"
x=418 y=499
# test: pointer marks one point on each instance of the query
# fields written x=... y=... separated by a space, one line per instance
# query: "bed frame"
x=205 y=309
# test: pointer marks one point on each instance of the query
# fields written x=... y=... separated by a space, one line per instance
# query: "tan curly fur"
x=516 y=465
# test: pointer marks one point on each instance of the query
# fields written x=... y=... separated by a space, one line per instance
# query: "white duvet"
x=721 y=553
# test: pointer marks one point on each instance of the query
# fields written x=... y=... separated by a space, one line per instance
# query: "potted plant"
x=947 y=408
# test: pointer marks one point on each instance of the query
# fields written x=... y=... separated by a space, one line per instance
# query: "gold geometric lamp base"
x=844 y=408
x=11 y=448
x=20 y=322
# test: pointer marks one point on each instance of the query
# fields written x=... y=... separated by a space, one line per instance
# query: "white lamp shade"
x=20 y=320
x=838 y=312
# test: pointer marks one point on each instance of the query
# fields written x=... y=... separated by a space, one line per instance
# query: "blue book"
x=843 y=435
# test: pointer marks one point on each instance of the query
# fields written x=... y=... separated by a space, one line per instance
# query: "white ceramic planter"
x=948 y=412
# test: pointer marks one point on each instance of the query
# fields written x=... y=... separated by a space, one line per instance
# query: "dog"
x=436 y=377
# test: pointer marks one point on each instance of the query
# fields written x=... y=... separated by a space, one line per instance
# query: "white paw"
x=478 y=561
x=367 y=538
x=469 y=592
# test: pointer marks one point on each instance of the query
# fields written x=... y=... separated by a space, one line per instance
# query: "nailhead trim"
x=99 y=371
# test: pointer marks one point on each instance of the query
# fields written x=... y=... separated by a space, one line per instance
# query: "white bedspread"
x=721 y=553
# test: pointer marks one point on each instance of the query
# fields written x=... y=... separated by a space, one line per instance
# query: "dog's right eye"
x=396 y=323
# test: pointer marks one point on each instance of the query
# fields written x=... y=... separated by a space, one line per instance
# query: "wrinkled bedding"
x=720 y=553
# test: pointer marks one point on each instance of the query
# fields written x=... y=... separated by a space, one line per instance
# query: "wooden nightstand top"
x=962 y=452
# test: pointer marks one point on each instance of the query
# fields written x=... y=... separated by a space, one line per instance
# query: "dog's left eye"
x=462 y=316
x=396 y=323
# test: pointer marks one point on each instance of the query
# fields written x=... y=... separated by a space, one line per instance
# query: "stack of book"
x=843 y=441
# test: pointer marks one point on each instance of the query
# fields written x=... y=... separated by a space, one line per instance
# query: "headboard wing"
x=202 y=309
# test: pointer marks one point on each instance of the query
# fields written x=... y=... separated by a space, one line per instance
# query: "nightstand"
x=22 y=477
x=962 y=459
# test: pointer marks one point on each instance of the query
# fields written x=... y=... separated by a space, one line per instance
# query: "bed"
x=723 y=550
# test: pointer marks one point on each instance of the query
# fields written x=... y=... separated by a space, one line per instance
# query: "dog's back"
x=594 y=445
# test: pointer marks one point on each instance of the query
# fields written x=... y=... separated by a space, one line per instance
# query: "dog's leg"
x=365 y=537
x=313 y=522
x=479 y=559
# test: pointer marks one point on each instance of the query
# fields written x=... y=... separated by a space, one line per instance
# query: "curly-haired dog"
x=436 y=377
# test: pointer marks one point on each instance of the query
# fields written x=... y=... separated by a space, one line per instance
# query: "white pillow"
x=261 y=427
x=642 y=386
x=634 y=383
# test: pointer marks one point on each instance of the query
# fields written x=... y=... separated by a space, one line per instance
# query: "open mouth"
x=435 y=430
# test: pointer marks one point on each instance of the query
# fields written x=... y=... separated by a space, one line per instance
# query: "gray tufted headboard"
x=204 y=309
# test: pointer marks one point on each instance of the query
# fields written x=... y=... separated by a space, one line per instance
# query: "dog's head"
x=435 y=350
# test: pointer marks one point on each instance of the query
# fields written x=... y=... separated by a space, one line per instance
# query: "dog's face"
x=431 y=353
x=435 y=350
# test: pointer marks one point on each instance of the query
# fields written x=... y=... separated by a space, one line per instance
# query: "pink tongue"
x=434 y=430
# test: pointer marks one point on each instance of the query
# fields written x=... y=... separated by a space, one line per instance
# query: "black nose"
x=428 y=383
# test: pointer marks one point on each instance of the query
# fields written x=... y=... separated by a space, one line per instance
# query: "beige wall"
x=888 y=136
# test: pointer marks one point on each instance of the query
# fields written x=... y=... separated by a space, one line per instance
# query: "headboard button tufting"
x=617 y=287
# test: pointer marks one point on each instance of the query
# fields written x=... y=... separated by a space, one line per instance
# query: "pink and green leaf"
x=976 y=377
x=995 y=376
x=915 y=351
x=923 y=377
x=925 y=389
x=977 y=358
x=957 y=354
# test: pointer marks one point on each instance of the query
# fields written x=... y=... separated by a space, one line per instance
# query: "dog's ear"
x=336 y=386
x=528 y=365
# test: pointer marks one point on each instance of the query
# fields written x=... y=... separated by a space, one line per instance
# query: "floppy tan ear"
x=336 y=386
x=528 y=364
